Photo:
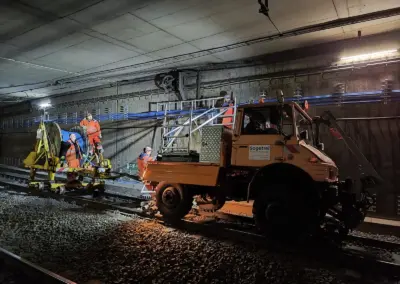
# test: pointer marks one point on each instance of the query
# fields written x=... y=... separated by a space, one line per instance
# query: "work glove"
x=62 y=158
x=100 y=136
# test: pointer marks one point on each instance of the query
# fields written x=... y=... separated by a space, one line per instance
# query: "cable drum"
x=53 y=132
x=56 y=135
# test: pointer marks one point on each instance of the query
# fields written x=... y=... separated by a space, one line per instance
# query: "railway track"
x=374 y=243
x=25 y=270
x=234 y=232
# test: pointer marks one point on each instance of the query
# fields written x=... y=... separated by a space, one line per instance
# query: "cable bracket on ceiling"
x=264 y=9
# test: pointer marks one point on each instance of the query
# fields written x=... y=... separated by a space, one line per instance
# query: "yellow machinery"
x=46 y=157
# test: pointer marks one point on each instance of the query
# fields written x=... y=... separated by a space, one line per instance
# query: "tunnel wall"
x=123 y=140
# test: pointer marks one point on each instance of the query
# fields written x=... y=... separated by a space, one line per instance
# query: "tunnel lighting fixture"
x=367 y=56
x=44 y=105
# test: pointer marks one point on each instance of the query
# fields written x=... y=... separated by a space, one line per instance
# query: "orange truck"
x=272 y=157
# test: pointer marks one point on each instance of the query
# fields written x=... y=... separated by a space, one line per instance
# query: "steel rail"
x=20 y=184
x=35 y=273
x=374 y=243
x=19 y=174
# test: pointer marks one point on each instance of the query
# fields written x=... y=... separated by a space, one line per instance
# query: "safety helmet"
x=147 y=149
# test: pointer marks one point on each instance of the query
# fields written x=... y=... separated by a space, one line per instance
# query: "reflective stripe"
x=91 y=130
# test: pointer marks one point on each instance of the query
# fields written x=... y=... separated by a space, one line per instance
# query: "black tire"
x=173 y=201
x=98 y=190
x=284 y=211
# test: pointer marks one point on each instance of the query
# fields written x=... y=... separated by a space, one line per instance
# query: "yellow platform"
x=244 y=208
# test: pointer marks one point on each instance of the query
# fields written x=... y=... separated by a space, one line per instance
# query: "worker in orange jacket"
x=143 y=159
x=92 y=129
x=228 y=102
x=72 y=152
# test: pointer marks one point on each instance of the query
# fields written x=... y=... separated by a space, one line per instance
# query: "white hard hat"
x=147 y=149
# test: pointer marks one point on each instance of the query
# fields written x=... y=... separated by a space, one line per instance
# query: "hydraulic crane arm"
x=329 y=119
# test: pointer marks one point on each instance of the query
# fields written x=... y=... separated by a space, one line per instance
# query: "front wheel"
x=285 y=211
x=173 y=201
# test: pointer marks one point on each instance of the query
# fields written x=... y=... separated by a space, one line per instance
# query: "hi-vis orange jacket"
x=92 y=127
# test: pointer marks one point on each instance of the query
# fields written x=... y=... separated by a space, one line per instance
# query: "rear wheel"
x=173 y=201
x=286 y=211
x=98 y=190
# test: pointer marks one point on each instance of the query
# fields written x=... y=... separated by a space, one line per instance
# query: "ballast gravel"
x=89 y=246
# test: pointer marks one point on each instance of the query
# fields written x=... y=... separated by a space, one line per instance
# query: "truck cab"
x=266 y=134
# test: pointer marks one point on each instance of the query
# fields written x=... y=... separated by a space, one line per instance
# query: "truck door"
x=256 y=140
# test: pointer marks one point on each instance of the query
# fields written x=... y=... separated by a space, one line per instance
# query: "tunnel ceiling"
x=50 y=47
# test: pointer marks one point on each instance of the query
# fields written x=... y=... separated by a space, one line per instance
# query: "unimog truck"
x=270 y=154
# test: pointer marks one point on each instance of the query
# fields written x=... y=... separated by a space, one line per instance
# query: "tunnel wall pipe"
x=208 y=85
x=321 y=100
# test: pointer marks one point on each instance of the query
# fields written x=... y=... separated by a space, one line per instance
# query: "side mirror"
x=303 y=135
x=321 y=146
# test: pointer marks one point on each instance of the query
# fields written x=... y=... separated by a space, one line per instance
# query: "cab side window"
x=287 y=123
x=304 y=128
x=267 y=120
x=260 y=121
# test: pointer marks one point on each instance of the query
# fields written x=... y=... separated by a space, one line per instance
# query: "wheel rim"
x=171 y=197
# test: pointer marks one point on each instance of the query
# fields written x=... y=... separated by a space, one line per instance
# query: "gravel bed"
x=94 y=247
x=13 y=277
x=48 y=232
x=9 y=278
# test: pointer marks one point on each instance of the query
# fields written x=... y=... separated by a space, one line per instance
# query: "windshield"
x=266 y=120
x=303 y=125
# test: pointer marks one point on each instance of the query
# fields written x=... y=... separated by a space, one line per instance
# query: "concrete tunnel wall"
x=124 y=140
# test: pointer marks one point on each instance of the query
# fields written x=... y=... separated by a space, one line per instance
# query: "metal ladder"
x=183 y=118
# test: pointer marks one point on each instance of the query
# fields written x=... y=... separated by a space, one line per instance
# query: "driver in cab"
x=259 y=125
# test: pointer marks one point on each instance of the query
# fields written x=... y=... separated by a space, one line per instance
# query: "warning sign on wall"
x=259 y=152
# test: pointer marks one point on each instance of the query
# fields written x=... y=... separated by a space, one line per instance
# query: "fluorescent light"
x=369 y=55
x=44 y=105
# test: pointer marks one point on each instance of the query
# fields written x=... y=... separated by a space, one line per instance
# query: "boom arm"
x=329 y=119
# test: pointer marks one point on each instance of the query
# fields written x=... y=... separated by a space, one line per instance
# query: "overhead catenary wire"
x=289 y=33
x=179 y=58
